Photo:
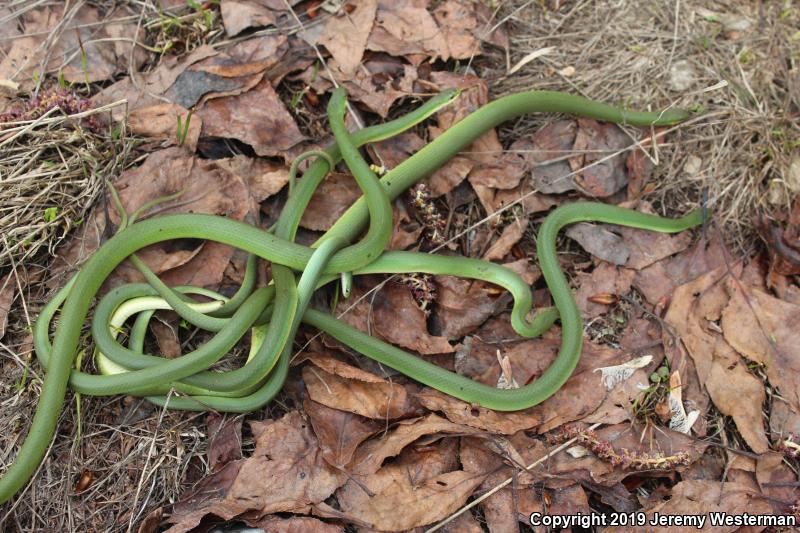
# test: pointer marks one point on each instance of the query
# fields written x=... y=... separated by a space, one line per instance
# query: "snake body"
x=274 y=313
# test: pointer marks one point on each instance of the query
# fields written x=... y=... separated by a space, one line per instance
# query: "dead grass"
x=740 y=152
x=53 y=169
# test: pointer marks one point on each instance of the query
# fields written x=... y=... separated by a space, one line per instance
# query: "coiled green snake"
x=275 y=312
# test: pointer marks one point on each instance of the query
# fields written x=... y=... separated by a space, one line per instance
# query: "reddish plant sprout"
x=423 y=289
x=54 y=97
x=432 y=219
x=625 y=458
x=790 y=446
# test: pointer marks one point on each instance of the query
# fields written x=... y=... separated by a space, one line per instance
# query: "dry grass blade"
x=51 y=173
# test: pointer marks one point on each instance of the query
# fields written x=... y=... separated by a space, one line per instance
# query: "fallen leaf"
x=499 y=509
x=263 y=178
x=167 y=121
x=604 y=279
x=510 y=236
x=391 y=313
x=371 y=455
x=503 y=172
x=765 y=330
x=295 y=524
x=658 y=281
x=600 y=242
x=331 y=199
x=778 y=482
x=719 y=367
x=406 y=29
x=449 y=176
x=462 y=305
x=379 y=400
x=601 y=175
x=167 y=337
x=545 y=155
x=458 y=23
x=580 y=396
x=339 y=432
x=225 y=440
x=286 y=473
x=420 y=488
x=783 y=421
x=239 y=15
x=526 y=196
x=85 y=49
x=257 y=118
x=346 y=37
x=700 y=498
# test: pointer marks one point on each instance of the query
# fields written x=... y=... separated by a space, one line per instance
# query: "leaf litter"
x=352 y=443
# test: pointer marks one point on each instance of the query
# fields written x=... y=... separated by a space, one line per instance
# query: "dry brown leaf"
x=286 y=473
x=702 y=498
x=295 y=524
x=392 y=314
x=263 y=178
x=406 y=28
x=6 y=300
x=148 y=89
x=605 y=278
x=510 y=236
x=504 y=172
x=398 y=148
x=605 y=176
x=84 y=50
x=462 y=305
x=378 y=400
x=9 y=28
x=167 y=337
x=420 y=487
x=783 y=421
x=765 y=330
x=526 y=196
x=346 y=37
x=458 y=22
x=339 y=432
x=257 y=117
x=545 y=156
x=380 y=82
x=225 y=440
x=334 y=366
x=600 y=242
x=330 y=201
x=658 y=281
x=161 y=121
x=777 y=481
x=476 y=456
x=449 y=176
x=525 y=269
x=371 y=455
x=405 y=231
x=723 y=372
x=238 y=15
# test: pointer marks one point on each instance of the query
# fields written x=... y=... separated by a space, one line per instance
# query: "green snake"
x=274 y=313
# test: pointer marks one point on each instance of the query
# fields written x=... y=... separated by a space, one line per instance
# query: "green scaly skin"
x=330 y=260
